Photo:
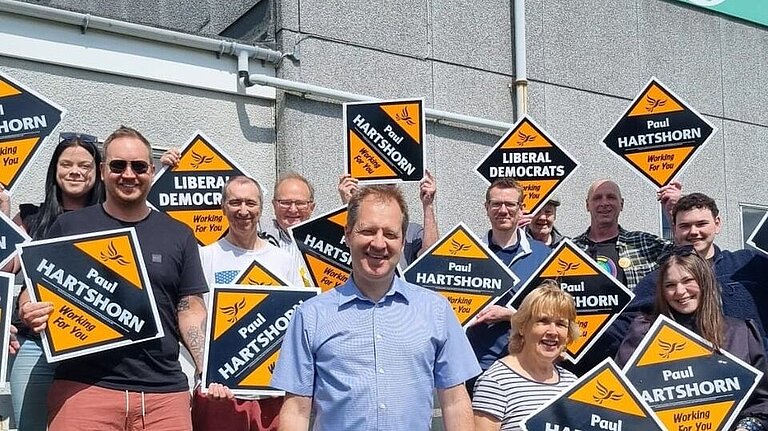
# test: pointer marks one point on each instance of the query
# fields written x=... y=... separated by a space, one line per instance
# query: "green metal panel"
x=755 y=11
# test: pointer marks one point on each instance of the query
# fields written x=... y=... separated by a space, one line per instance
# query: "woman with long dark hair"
x=73 y=181
x=687 y=291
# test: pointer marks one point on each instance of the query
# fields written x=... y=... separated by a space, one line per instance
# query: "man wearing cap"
x=541 y=226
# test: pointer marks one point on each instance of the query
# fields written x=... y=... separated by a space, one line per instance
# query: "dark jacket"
x=742 y=340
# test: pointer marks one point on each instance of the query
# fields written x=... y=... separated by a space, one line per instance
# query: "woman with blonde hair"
x=519 y=383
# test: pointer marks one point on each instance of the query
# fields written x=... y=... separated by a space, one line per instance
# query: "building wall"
x=586 y=61
x=168 y=115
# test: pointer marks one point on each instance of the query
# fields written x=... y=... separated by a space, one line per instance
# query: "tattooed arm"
x=191 y=314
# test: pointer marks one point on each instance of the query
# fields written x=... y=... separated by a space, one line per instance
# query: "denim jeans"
x=31 y=376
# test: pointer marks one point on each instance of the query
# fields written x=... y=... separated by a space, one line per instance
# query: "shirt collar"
x=349 y=291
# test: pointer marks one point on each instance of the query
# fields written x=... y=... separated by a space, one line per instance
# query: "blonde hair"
x=548 y=299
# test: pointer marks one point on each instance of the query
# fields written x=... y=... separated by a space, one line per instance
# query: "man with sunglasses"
x=742 y=274
x=141 y=385
x=293 y=202
x=523 y=255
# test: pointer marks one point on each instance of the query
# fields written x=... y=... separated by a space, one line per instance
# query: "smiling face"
x=697 y=227
x=376 y=240
x=543 y=221
x=75 y=172
x=127 y=188
x=545 y=337
x=604 y=204
x=503 y=208
x=242 y=206
x=292 y=202
x=680 y=289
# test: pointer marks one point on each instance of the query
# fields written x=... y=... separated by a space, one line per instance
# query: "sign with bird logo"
x=190 y=192
x=659 y=134
x=6 y=310
x=599 y=297
x=461 y=268
x=26 y=120
x=322 y=246
x=689 y=385
x=246 y=326
x=602 y=399
x=530 y=156
x=10 y=235
x=99 y=289
x=384 y=140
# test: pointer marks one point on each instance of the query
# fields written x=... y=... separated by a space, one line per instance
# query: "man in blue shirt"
x=489 y=335
x=368 y=354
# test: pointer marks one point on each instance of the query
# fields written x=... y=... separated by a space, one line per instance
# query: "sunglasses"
x=80 y=137
x=138 y=167
x=681 y=251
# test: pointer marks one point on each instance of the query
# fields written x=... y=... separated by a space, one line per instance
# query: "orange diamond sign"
x=530 y=156
x=658 y=134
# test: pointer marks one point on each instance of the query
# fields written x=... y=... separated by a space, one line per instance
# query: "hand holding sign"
x=35 y=314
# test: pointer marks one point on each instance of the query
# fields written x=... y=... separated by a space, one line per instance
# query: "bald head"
x=604 y=204
x=604 y=185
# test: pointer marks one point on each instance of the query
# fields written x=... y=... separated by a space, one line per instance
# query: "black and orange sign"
x=461 y=268
x=26 y=120
x=599 y=297
x=759 y=237
x=246 y=326
x=659 y=134
x=190 y=192
x=527 y=154
x=258 y=275
x=99 y=288
x=10 y=235
x=689 y=386
x=602 y=399
x=6 y=309
x=322 y=246
x=385 y=140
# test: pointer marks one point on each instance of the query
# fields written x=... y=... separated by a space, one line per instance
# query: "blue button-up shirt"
x=374 y=366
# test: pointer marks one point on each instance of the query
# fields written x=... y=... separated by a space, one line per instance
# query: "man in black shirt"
x=140 y=386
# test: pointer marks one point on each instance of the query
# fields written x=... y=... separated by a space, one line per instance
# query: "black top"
x=172 y=260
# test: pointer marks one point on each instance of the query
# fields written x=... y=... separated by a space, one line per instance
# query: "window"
x=750 y=215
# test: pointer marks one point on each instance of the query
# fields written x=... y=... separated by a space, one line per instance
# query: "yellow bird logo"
x=669 y=348
x=258 y=283
x=405 y=116
x=654 y=103
x=604 y=394
x=566 y=266
x=233 y=310
x=456 y=247
x=113 y=255
x=200 y=159
x=524 y=138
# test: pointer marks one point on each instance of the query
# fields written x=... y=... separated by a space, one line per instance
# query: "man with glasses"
x=503 y=204
x=293 y=201
x=140 y=385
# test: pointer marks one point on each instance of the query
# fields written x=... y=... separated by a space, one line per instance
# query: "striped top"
x=509 y=397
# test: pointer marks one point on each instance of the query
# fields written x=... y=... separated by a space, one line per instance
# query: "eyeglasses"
x=81 y=137
x=287 y=204
x=681 y=251
x=496 y=205
x=138 y=167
